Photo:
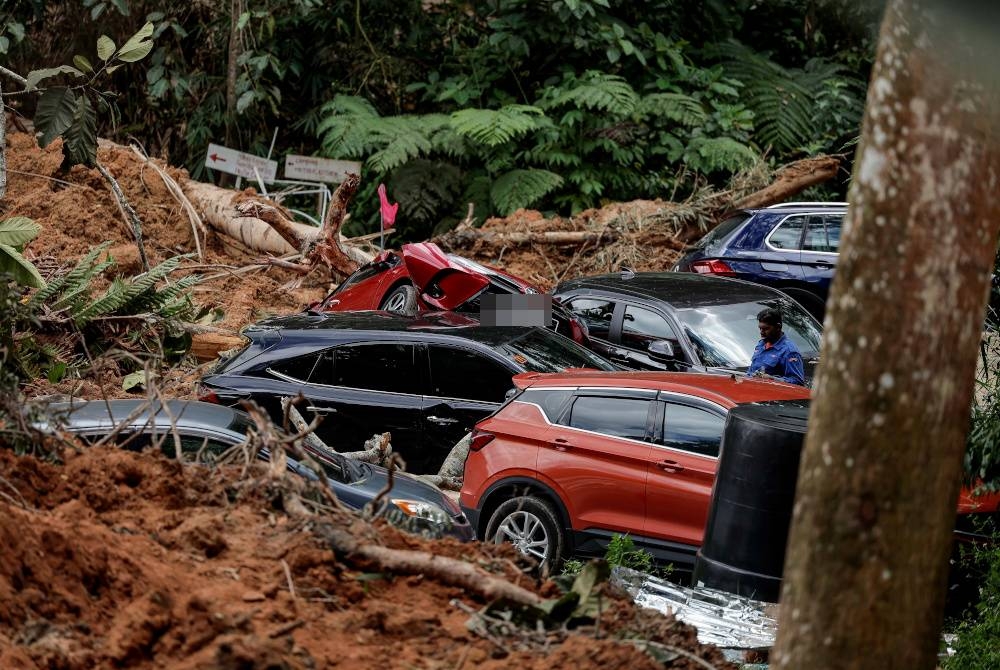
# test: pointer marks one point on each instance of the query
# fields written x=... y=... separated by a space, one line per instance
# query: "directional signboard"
x=311 y=168
x=238 y=163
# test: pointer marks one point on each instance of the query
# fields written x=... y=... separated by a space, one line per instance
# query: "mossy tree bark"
x=867 y=563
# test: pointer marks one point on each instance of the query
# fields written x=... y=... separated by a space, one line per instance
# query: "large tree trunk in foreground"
x=868 y=551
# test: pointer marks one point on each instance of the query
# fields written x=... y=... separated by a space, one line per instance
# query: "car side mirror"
x=661 y=350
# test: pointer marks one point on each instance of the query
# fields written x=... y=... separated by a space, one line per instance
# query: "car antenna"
x=627 y=273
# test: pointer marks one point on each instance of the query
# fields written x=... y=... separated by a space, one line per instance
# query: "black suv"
x=427 y=379
x=683 y=322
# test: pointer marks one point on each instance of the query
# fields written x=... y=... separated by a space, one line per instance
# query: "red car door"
x=442 y=284
x=682 y=466
x=596 y=459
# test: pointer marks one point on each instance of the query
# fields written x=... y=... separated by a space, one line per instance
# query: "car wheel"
x=532 y=526
x=402 y=299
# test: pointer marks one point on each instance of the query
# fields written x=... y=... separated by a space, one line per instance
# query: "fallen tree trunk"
x=554 y=237
x=789 y=181
x=792 y=180
x=217 y=207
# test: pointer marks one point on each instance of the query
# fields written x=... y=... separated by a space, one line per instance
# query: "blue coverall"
x=781 y=360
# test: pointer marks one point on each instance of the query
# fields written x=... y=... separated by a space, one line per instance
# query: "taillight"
x=206 y=394
x=713 y=267
x=480 y=438
x=578 y=329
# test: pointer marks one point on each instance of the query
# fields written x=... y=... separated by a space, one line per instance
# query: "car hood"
x=443 y=284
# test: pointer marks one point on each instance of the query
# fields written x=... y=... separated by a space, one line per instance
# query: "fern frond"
x=784 y=100
x=522 y=188
x=405 y=141
x=719 y=153
x=601 y=91
x=76 y=293
x=71 y=282
x=116 y=295
x=494 y=127
x=677 y=107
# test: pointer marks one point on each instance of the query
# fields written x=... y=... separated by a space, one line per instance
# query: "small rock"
x=253 y=597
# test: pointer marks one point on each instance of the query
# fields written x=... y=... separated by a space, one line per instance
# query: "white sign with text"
x=241 y=164
x=311 y=168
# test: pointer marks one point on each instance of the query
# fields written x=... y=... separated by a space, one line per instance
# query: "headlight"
x=422 y=510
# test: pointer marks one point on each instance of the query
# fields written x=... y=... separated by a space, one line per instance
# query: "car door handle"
x=561 y=444
x=670 y=466
x=441 y=420
x=322 y=410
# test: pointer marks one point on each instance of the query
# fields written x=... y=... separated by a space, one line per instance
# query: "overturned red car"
x=422 y=277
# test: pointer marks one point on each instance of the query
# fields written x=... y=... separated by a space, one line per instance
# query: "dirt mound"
x=645 y=235
x=117 y=559
x=77 y=211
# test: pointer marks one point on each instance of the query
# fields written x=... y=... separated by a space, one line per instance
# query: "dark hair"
x=770 y=316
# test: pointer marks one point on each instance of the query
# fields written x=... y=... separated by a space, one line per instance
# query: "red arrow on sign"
x=217 y=157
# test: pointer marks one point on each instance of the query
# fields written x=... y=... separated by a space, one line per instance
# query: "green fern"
x=785 y=100
x=522 y=188
x=494 y=127
x=677 y=107
x=598 y=91
x=76 y=280
x=404 y=138
x=709 y=154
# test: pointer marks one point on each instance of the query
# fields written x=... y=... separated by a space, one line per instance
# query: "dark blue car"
x=792 y=247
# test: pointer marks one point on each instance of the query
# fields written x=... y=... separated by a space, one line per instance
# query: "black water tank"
x=747 y=530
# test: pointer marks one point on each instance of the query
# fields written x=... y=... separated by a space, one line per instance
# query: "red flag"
x=388 y=211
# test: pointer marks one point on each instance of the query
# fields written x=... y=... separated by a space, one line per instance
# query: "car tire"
x=402 y=300
x=532 y=525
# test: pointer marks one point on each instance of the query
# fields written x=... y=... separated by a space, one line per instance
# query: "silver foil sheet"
x=726 y=620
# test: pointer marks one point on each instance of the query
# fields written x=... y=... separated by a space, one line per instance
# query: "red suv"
x=577 y=457
x=574 y=458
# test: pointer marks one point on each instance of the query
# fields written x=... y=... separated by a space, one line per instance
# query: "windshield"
x=540 y=350
x=721 y=231
x=725 y=335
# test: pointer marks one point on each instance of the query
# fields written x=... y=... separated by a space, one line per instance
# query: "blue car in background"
x=792 y=247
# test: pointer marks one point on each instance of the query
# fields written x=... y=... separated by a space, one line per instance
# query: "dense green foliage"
x=978 y=630
x=57 y=329
x=558 y=104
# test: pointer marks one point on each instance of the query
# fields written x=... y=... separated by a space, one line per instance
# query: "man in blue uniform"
x=776 y=356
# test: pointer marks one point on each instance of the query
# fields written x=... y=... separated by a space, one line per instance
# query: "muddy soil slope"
x=118 y=559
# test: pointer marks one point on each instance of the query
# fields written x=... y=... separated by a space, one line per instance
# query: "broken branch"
x=449 y=571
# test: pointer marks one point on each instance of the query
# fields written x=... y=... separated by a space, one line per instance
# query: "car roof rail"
x=781 y=205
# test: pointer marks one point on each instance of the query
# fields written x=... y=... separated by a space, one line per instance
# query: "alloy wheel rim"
x=395 y=302
x=526 y=532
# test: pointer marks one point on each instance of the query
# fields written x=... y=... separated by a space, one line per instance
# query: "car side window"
x=788 y=235
x=303 y=368
x=823 y=233
x=596 y=313
x=377 y=367
x=194 y=445
x=619 y=417
x=642 y=326
x=458 y=373
x=551 y=401
x=692 y=429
